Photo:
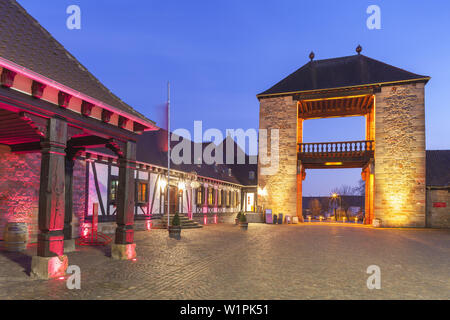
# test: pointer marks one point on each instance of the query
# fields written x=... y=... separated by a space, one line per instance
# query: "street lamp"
x=334 y=197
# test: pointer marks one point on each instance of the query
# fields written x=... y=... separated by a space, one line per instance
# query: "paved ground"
x=265 y=262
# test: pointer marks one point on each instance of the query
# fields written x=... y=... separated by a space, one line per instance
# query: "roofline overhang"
x=380 y=84
x=431 y=187
x=150 y=125
x=98 y=153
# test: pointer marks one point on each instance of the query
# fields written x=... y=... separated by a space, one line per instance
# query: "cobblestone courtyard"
x=266 y=262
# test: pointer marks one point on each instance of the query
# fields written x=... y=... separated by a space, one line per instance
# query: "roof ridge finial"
x=311 y=55
x=358 y=49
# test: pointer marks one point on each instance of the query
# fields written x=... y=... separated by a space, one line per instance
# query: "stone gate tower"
x=391 y=158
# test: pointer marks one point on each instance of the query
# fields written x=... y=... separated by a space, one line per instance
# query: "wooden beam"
x=26 y=147
x=86 y=108
x=63 y=99
x=335 y=93
x=88 y=141
x=122 y=122
x=106 y=115
x=7 y=78
x=37 y=89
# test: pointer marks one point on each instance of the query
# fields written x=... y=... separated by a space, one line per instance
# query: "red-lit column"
x=50 y=261
x=123 y=247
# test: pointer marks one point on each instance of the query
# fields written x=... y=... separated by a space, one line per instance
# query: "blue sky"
x=219 y=54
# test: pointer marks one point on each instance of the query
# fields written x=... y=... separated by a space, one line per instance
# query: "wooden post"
x=52 y=190
x=69 y=243
x=123 y=247
x=50 y=261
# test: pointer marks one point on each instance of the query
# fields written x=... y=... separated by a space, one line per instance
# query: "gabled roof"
x=344 y=72
x=152 y=149
x=438 y=168
x=25 y=42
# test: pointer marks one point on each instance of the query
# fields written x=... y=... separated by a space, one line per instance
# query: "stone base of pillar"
x=69 y=245
x=123 y=251
x=49 y=267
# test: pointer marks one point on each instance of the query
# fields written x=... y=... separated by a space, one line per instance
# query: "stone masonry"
x=279 y=113
x=400 y=156
x=19 y=191
x=438 y=216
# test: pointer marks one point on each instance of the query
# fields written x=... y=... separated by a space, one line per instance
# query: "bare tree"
x=343 y=191
x=360 y=190
x=315 y=207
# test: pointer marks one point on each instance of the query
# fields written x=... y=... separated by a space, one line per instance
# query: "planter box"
x=175 y=232
x=243 y=225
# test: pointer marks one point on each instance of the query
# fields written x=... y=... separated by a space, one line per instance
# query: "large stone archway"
x=392 y=157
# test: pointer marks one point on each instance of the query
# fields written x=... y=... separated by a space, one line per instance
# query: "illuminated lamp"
x=162 y=184
x=215 y=218
x=262 y=191
x=333 y=163
x=181 y=185
x=148 y=225
x=320 y=218
x=205 y=219
x=309 y=218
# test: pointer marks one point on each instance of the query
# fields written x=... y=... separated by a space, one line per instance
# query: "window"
x=142 y=192
x=219 y=198
x=251 y=175
x=229 y=172
x=113 y=187
x=228 y=196
x=199 y=196
x=210 y=197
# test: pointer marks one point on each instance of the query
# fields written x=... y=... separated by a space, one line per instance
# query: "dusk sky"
x=219 y=54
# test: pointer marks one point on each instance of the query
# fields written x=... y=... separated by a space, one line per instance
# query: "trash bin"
x=288 y=219
x=274 y=219
x=280 y=218
x=269 y=216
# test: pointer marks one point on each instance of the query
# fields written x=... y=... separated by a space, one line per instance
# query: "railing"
x=337 y=149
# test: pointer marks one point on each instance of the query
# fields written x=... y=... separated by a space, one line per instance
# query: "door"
x=173 y=207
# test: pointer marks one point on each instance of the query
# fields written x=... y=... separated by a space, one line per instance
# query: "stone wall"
x=279 y=113
x=438 y=212
x=400 y=156
x=19 y=189
x=79 y=196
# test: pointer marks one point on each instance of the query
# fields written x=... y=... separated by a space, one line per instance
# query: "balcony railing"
x=337 y=149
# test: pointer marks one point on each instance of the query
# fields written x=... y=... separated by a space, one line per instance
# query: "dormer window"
x=229 y=172
x=251 y=175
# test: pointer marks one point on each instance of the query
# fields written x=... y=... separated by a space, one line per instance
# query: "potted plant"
x=243 y=224
x=175 y=227
x=236 y=220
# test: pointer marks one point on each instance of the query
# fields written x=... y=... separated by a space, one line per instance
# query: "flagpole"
x=168 y=153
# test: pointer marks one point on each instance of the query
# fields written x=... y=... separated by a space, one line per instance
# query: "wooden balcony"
x=344 y=154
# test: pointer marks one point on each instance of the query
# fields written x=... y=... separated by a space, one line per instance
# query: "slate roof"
x=350 y=71
x=25 y=42
x=152 y=149
x=438 y=168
